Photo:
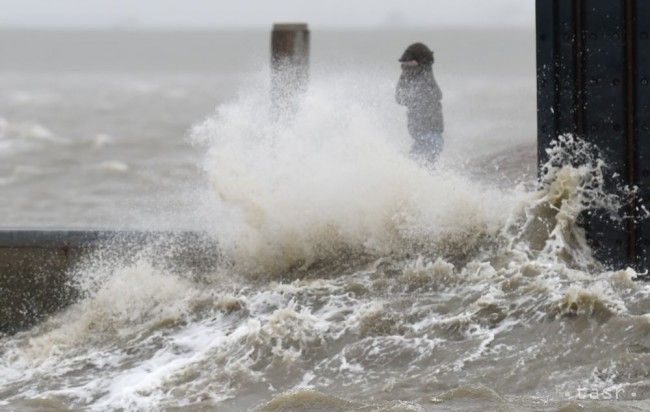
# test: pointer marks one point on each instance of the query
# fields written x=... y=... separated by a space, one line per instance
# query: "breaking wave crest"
x=335 y=178
x=352 y=278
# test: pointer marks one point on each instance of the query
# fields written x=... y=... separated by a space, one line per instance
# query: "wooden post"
x=289 y=65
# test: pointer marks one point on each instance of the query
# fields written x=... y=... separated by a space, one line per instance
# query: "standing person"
x=418 y=91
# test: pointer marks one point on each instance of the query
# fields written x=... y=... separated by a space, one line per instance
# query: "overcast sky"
x=261 y=13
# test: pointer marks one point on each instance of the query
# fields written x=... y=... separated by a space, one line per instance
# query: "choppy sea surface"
x=351 y=276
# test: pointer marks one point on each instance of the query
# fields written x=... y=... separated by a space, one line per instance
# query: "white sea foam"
x=28 y=131
x=338 y=172
x=113 y=166
x=101 y=140
x=464 y=282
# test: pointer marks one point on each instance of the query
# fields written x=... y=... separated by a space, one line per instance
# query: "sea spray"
x=467 y=294
x=336 y=178
x=571 y=185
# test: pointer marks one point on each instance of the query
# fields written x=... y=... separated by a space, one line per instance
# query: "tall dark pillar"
x=593 y=65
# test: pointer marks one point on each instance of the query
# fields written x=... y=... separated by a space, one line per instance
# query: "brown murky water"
x=353 y=278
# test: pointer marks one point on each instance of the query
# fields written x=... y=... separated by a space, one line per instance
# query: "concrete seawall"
x=37 y=267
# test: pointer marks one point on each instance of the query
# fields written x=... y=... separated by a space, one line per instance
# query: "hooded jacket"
x=418 y=90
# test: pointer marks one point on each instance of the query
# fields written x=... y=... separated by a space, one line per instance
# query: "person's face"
x=410 y=65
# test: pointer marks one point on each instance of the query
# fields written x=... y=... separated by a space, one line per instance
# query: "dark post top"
x=289 y=44
x=289 y=27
